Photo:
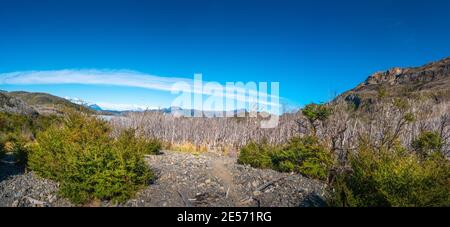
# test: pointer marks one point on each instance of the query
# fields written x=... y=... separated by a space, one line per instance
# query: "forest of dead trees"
x=381 y=123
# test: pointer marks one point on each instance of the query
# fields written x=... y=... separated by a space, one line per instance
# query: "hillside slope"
x=430 y=81
x=45 y=103
x=13 y=105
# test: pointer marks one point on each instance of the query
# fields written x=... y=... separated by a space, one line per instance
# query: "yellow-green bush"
x=257 y=155
x=427 y=143
x=23 y=125
x=20 y=148
x=302 y=155
x=129 y=140
x=88 y=163
x=394 y=177
x=13 y=123
x=153 y=146
x=15 y=144
x=18 y=131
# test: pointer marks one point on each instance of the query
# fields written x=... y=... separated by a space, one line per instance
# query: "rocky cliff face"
x=429 y=81
x=14 y=105
x=45 y=103
x=431 y=72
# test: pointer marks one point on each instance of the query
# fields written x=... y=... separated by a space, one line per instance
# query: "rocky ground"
x=24 y=189
x=184 y=180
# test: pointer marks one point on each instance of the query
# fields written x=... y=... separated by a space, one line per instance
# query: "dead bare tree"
x=383 y=124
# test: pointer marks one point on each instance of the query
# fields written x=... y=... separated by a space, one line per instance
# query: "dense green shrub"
x=17 y=132
x=257 y=155
x=129 y=140
x=302 y=155
x=152 y=146
x=16 y=144
x=316 y=112
x=13 y=122
x=20 y=148
x=24 y=124
x=394 y=177
x=427 y=143
x=88 y=163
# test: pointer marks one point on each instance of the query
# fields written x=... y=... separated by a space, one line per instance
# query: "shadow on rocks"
x=9 y=167
x=313 y=200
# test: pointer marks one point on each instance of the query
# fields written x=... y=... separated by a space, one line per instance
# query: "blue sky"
x=314 y=49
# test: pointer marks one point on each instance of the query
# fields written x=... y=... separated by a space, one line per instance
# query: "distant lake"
x=109 y=117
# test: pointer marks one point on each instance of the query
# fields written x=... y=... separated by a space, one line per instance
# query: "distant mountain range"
x=95 y=107
x=174 y=110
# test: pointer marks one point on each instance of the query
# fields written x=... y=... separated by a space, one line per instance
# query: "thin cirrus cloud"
x=120 y=78
x=90 y=77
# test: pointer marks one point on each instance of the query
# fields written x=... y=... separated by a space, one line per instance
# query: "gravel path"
x=184 y=180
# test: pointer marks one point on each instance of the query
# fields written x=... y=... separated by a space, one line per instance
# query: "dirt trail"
x=220 y=171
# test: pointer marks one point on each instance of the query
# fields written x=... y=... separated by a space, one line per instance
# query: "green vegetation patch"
x=17 y=133
x=89 y=164
x=393 y=178
x=302 y=155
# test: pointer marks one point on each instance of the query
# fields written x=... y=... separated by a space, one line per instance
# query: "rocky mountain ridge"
x=396 y=76
x=13 y=105
x=430 y=81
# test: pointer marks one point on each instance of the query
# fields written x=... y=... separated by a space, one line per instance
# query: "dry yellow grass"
x=188 y=148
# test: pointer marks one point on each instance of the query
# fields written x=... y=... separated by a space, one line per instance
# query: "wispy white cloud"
x=91 y=77
x=120 y=78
